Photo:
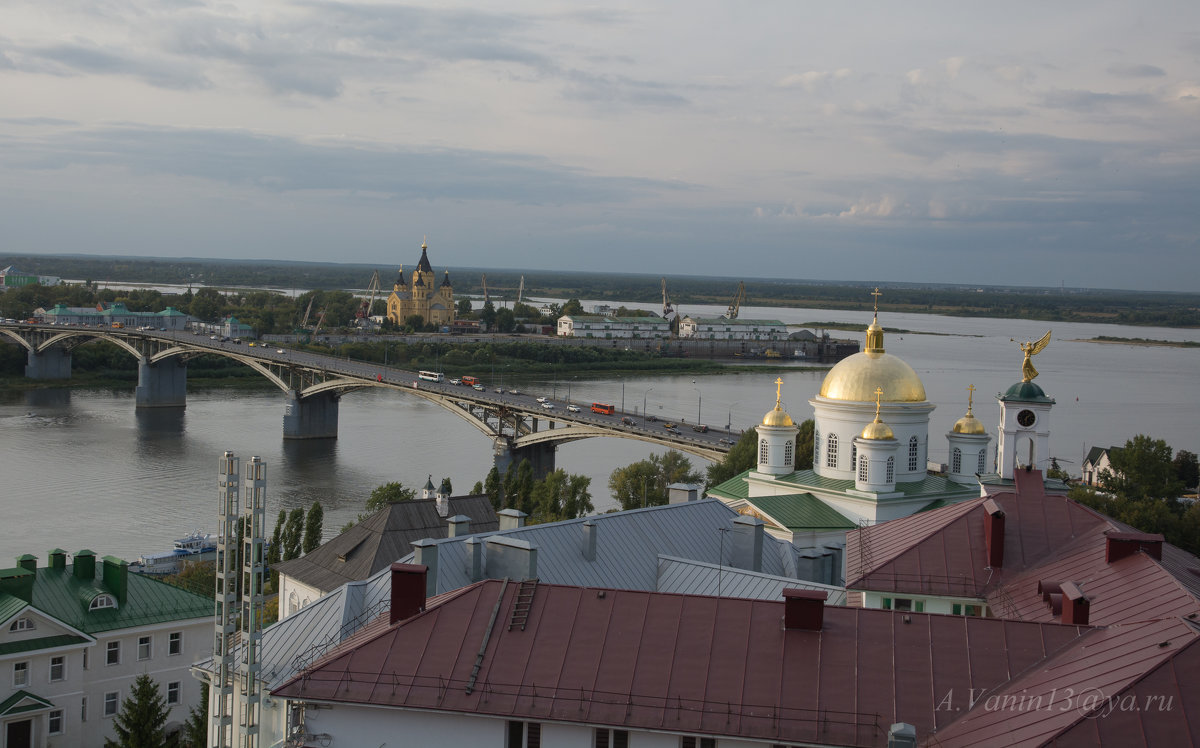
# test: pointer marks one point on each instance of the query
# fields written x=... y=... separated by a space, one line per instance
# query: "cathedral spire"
x=875 y=332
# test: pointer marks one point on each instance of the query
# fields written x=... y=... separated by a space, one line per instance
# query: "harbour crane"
x=308 y=311
x=364 y=311
x=485 y=293
x=521 y=289
x=736 y=305
x=668 y=311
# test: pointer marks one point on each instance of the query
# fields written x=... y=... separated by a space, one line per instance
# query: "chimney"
x=474 y=558
x=804 y=610
x=85 y=565
x=18 y=583
x=1075 y=607
x=1051 y=593
x=1118 y=545
x=511 y=519
x=460 y=525
x=681 y=493
x=993 y=533
x=747 y=543
x=425 y=553
x=28 y=561
x=58 y=559
x=902 y=735
x=116 y=577
x=408 y=591
x=589 y=540
x=510 y=557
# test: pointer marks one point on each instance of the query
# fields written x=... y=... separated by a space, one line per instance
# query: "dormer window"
x=103 y=601
x=22 y=624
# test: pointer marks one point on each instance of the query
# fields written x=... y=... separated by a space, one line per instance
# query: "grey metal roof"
x=627 y=557
x=382 y=538
x=684 y=576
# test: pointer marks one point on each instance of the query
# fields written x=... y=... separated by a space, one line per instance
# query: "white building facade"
x=580 y=326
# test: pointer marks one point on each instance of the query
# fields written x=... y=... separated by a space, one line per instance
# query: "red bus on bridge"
x=602 y=409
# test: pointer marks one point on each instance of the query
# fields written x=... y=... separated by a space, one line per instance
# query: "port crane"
x=364 y=311
x=521 y=290
x=485 y=293
x=736 y=305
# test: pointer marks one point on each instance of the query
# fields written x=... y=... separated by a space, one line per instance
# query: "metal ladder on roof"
x=522 y=604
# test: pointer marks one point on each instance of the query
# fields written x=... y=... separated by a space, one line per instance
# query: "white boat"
x=196 y=546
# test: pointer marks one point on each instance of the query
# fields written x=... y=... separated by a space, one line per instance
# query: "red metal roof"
x=1047 y=538
x=691 y=664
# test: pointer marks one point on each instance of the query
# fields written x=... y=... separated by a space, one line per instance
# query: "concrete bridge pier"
x=540 y=456
x=313 y=417
x=162 y=385
x=52 y=363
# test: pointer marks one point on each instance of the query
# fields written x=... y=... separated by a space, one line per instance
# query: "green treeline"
x=1051 y=304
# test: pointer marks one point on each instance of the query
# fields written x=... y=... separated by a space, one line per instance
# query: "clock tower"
x=1024 y=429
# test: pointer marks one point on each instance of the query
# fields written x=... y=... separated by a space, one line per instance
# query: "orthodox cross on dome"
x=778 y=392
x=878 y=395
x=970 y=397
x=876 y=293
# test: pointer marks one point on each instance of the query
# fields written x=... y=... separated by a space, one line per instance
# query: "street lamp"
x=729 y=418
x=699 y=399
x=647 y=392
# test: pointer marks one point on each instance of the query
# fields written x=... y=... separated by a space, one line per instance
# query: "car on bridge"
x=542 y=399
x=478 y=387
x=572 y=408
x=627 y=421
x=548 y=405
x=456 y=380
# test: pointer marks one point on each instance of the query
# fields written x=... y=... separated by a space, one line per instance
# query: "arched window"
x=763 y=452
x=22 y=624
x=816 y=447
x=956 y=461
x=912 y=455
x=831 y=451
x=982 y=460
x=789 y=453
x=862 y=468
x=891 y=469
x=103 y=601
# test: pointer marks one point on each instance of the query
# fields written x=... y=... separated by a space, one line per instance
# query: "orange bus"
x=602 y=409
x=470 y=381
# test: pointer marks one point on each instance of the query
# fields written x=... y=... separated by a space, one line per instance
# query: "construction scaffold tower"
x=239 y=622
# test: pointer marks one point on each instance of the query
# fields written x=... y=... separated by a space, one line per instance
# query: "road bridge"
x=519 y=425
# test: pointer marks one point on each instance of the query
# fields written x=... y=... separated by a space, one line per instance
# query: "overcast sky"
x=986 y=143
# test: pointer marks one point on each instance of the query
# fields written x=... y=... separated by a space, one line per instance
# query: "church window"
x=862 y=468
x=816 y=447
x=763 y=452
x=891 y=469
x=982 y=460
x=853 y=453
x=956 y=461
x=913 y=450
x=789 y=457
x=831 y=451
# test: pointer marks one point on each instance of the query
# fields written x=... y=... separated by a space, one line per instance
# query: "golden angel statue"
x=1031 y=349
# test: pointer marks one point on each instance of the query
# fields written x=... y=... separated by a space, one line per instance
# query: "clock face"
x=1026 y=418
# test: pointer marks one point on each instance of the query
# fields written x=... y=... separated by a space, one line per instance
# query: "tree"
x=463 y=308
x=313 y=527
x=275 y=551
x=446 y=488
x=741 y=457
x=644 y=483
x=195 y=727
x=505 y=320
x=388 y=493
x=143 y=716
x=522 y=496
x=804 y=445
x=207 y=304
x=561 y=496
x=1056 y=471
x=493 y=487
x=487 y=315
x=1187 y=468
x=293 y=534
x=571 y=308
x=1142 y=469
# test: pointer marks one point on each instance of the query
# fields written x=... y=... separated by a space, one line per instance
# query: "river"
x=85 y=469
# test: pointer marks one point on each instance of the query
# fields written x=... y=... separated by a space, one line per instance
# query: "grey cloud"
x=1136 y=71
x=38 y=121
x=1092 y=101
x=84 y=59
x=278 y=164
x=583 y=86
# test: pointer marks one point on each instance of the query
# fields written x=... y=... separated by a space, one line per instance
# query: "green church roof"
x=1026 y=392
x=801 y=511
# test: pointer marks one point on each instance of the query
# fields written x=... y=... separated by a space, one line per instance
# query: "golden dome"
x=856 y=377
x=777 y=417
x=968 y=424
x=878 y=430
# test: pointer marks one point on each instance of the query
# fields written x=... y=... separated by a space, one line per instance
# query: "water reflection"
x=51 y=397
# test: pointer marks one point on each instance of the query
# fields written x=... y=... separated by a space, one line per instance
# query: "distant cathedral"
x=433 y=301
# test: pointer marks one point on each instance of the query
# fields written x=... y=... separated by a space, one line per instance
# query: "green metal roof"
x=44 y=642
x=62 y=596
x=10 y=705
x=801 y=511
x=1026 y=392
x=10 y=605
x=734 y=488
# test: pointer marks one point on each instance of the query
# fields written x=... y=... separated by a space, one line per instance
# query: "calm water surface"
x=85 y=469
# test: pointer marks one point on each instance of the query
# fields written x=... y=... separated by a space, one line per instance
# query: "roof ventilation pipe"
x=407 y=591
x=993 y=531
x=804 y=610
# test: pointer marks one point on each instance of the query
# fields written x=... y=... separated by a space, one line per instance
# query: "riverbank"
x=1141 y=341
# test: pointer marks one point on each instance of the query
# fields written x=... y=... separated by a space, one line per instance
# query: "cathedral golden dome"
x=877 y=430
x=856 y=377
x=969 y=424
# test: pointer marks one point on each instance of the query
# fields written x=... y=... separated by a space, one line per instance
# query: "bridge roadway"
x=313 y=383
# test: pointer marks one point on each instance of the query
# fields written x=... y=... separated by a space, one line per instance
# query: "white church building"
x=870 y=452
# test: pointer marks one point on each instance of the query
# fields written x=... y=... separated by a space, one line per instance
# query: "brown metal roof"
x=382 y=538
x=691 y=664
